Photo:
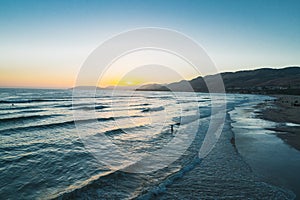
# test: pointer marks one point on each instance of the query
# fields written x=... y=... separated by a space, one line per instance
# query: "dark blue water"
x=44 y=154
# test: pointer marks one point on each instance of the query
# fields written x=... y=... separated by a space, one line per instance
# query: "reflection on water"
x=268 y=155
x=42 y=156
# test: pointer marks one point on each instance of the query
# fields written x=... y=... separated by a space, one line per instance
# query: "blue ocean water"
x=42 y=155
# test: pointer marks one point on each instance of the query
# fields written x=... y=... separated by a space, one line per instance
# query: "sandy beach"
x=284 y=110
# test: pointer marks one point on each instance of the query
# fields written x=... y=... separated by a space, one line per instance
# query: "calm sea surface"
x=43 y=155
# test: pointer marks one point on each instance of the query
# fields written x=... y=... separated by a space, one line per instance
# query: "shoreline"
x=214 y=176
x=267 y=137
x=285 y=111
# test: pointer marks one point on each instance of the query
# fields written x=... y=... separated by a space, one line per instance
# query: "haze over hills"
x=264 y=81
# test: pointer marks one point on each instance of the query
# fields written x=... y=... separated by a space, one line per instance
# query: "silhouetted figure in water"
x=12 y=104
x=172 y=129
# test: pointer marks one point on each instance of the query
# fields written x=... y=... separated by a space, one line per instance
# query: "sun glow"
x=138 y=68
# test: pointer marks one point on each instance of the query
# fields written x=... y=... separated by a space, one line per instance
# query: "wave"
x=87 y=106
x=9 y=131
x=153 y=109
x=101 y=107
x=152 y=184
x=205 y=111
x=22 y=111
x=19 y=108
x=91 y=107
x=32 y=100
x=30 y=111
x=159 y=97
x=119 y=131
x=186 y=101
x=30 y=117
x=115 y=132
x=63 y=106
x=203 y=100
x=143 y=104
x=51 y=125
x=169 y=180
x=60 y=124
x=19 y=157
x=185 y=119
x=42 y=145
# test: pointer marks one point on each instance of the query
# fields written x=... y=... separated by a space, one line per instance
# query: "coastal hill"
x=259 y=81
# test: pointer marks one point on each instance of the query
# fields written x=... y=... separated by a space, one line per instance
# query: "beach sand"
x=285 y=110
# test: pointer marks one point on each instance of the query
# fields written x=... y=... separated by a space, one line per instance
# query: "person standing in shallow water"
x=172 y=128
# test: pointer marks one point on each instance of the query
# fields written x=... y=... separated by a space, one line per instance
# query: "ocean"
x=55 y=145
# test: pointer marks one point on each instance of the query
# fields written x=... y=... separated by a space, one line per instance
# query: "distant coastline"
x=259 y=81
x=266 y=81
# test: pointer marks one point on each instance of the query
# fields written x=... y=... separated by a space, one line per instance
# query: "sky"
x=45 y=43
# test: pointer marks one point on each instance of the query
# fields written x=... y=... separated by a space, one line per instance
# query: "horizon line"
x=73 y=86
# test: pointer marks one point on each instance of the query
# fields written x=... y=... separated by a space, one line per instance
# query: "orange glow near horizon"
x=35 y=80
x=137 y=68
x=119 y=81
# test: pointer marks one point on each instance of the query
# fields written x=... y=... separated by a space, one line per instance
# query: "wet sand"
x=284 y=110
x=267 y=137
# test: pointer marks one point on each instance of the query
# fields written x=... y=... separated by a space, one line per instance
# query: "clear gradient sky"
x=44 y=43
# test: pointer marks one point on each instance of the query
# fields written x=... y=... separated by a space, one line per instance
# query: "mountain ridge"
x=263 y=81
x=258 y=81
